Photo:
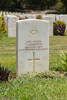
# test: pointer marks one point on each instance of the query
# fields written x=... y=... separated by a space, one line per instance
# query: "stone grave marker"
x=52 y=15
x=32 y=46
x=6 y=18
x=11 y=24
x=50 y=19
x=57 y=17
x=64 y=18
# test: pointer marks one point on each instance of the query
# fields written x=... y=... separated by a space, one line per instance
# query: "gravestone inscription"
x=32 y=52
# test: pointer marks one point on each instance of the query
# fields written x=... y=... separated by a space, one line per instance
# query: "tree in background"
x=32 y=4
x=42 y=4
x=60 y=7
x=50 y=3
x=6 y=5
x=65 y=4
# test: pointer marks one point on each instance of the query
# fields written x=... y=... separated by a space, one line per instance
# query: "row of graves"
x=11 y=21
x=32 y=40
x=10 y=13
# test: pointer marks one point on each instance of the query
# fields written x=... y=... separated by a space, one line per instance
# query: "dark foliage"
x=59 y=28
x=4 y=73
x=65 y=4
x=26 y=4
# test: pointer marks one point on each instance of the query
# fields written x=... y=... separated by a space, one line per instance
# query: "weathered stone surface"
x=32 y=52
x=11 y=24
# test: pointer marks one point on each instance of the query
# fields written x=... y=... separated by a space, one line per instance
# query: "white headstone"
x=53 y=16
x=32 y=52
x=57 y=17
x=28 y=16
x=6 y=18
x=11 y=24
x=6 y=13
x=64 y=18
x=32 y=16
x=3 y=13
x=50 y=19
x=0 y=13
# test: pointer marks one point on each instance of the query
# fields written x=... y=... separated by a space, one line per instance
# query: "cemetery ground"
x=50 y=86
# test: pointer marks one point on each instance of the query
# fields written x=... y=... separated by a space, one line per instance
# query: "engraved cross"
x=33 y=61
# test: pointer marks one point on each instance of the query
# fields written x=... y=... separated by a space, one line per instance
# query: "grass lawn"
x=57 y=44
x=30 y=88
x=8 y=51
x=34 y=89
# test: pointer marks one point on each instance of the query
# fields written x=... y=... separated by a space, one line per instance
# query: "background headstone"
x=52 y=15
x=6 y=18
x=32 y=52
x=50 y=19
x=64 y=18
x=57 y=17
x=11 y=25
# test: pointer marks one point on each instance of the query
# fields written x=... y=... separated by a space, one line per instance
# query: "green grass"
x=57 y=44
x=8 y=51
x=33 y=88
